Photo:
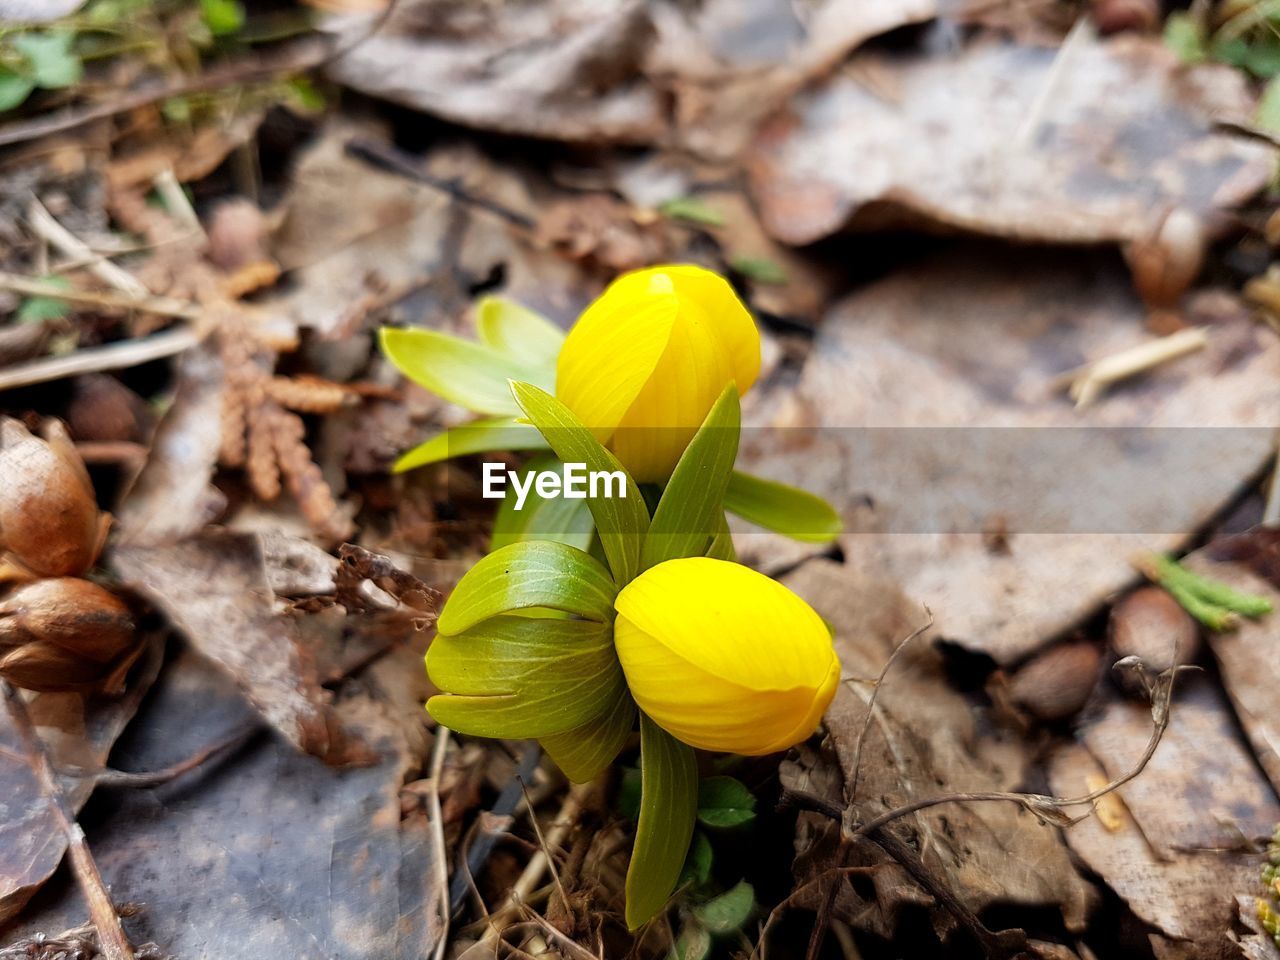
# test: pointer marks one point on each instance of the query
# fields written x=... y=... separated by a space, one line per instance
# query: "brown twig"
x=435 y=812
x=112 y=940
x=120 y=779
x=115 y=356
x=119 y=300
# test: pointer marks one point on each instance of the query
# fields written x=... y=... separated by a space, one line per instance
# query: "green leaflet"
x=584 y=752
x=782 y=509
x=519 y=332
x=481 y=436
x=532 y=573
x=54 y=65
x=518 y=678
x=693 y=502
x=621 y=522
x=728 y=912
x=560 y=519
x=668 y=806
x=471 y=375
x=725 y=802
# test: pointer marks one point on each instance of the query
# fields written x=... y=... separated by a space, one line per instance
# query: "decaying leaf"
x=927 y=740
x=968 y=347
x=215 y=589
x=1182 y=846
x=995 y=140
x=269 y=853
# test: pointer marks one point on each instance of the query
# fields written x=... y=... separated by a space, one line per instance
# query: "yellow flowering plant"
x=541 y=639
x=641 y=368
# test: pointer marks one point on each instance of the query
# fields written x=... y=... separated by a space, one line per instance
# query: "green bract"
x=524 y=646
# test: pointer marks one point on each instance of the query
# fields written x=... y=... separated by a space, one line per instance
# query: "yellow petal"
x=611 y=351
x=723 y=657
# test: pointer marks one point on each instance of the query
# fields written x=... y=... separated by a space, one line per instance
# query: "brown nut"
x=1056 y=684
x=49 y=518
x=1112 y=16
x=1167 y=259
x=1149 y=624
x=64 y=634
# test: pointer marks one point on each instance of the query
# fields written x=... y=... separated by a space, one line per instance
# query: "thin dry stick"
x=871 y=703
x=1085 y=384
x=146 y=303
x=111 y=936
x=1271 y=512
x=532 y=875
x=542 y=843
x=437 y=833
x=176 y=202
x=1081 y=31
x=121 y=779
x=46 y=227
x=115 y=356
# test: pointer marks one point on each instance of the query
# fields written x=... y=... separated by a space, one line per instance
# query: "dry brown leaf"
x=216 y=590
x=975 y=142
x=1178 y=857
x=968 y=346
x=268 y=854
x=929 y=740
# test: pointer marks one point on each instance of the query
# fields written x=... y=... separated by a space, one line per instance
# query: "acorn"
x=49 y=518
x=1166 y=260
x=1057 y=683
x=1113 y=16
x=65 y=634
x=1149 y=624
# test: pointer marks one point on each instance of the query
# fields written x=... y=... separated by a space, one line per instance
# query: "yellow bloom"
x=723 y=657
x=645 y=362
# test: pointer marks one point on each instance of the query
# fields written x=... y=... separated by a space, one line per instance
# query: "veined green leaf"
x=468 y=374
x=516 y=678
x=558 y=518
x=728 y=912
x=686 y=516
x=725 y=802
x=481 y=436
x=583 y=752
x=621 y=522
x=721 y=546
x=532 y=573
x=523 y=334
x=668 y=805
x=787 y=510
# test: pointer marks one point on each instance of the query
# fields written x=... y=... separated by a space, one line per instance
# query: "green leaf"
x=725 y=802
x=694 y=943
x=14 y=88
x=693 y=210
x=222 y=17
x=721 y=546
x=519 y=332
x=37 y=309
x=513 y=678
x=697 y=865
x=1185 y=37
x=621 y=522
x=584 y=752
x=468 y=374
x=555 y=518
x=760 y=269
x=787 y=510
x=728 y=912
x=668 y=806
x=54 y=65
x=688 y=514
x=532 y=573
x=1268 y=112
x=480 y=436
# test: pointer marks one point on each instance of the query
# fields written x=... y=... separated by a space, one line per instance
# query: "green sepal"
x=471 y=375
x=515 y=678
x=584 y=752
x=558 y=518
x=786 y=510
x=668 y=807
x=721 y=546
x=480 y=436
x=519 y=332
x=621 y=522
x=531 y=573
x=687 y=515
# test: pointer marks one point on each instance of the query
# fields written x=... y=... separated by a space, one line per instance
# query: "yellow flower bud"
x=723 y=657
x=647 y=360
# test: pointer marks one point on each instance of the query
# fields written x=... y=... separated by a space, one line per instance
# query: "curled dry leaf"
x=215 y=589
x=49 y=518
x=1002 y=140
